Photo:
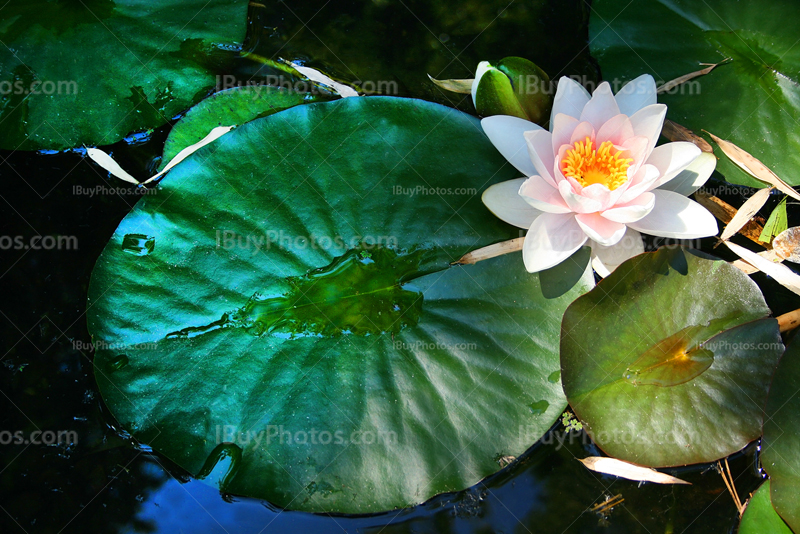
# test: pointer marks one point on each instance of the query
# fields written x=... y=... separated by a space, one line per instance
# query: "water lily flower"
x=596 y=176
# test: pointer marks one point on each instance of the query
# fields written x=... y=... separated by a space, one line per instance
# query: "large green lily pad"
x=781 y=443
x=753 y=101
x=102 y=69
x=668 y=361
x=282 y=319
x=760 y=517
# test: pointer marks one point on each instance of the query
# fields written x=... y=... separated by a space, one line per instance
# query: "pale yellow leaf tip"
x=108 y=163
x=212 y=136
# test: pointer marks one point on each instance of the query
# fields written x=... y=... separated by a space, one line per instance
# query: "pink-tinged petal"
x=601 y=108
x=570 y=99
x=676 y=216
x=600 y=229
x=551 y=239
x=562 y=129
x=617 y=129
x=606 y=259
x=537 y=192
x=633 y=211
x=648 y=122
x=504 y=201
x=506 y=134
x=598 y=192
x=576 y=202
x=581 y=132
x=640 y=183
x=540 y=151
x=672 y=158
x=636 y=149
x=637 y=94
x=692 y=177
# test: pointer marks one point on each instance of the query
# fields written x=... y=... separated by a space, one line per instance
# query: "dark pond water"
x=104 y=482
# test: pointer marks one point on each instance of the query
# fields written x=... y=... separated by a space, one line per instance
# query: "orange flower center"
x=596 y=166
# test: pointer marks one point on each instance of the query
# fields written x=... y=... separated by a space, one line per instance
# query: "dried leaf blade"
x=686 y=77
x=618 y=468
x=746 y=212
x=676 y=132
x=752 y=166
x=781 y=273
x=455 y=86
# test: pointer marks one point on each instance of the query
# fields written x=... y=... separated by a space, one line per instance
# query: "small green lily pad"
x=230 y=107
x=668 y=361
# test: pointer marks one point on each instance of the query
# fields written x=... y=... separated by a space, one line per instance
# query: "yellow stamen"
x=601 y=166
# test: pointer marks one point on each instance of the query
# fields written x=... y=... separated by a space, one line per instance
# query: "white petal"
x=601 y=108
x=537 y=192
x=483 y=66
x=648 y=122
x=606 y=259
x=506 y=134
x=600 y=229
x=637 y=94
x=672 y=158
x=504 y=202
x=570 y=99
x=678 y=217
x=551 y=239
x=633 y=211
x=540 y=150
x=692 y=177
